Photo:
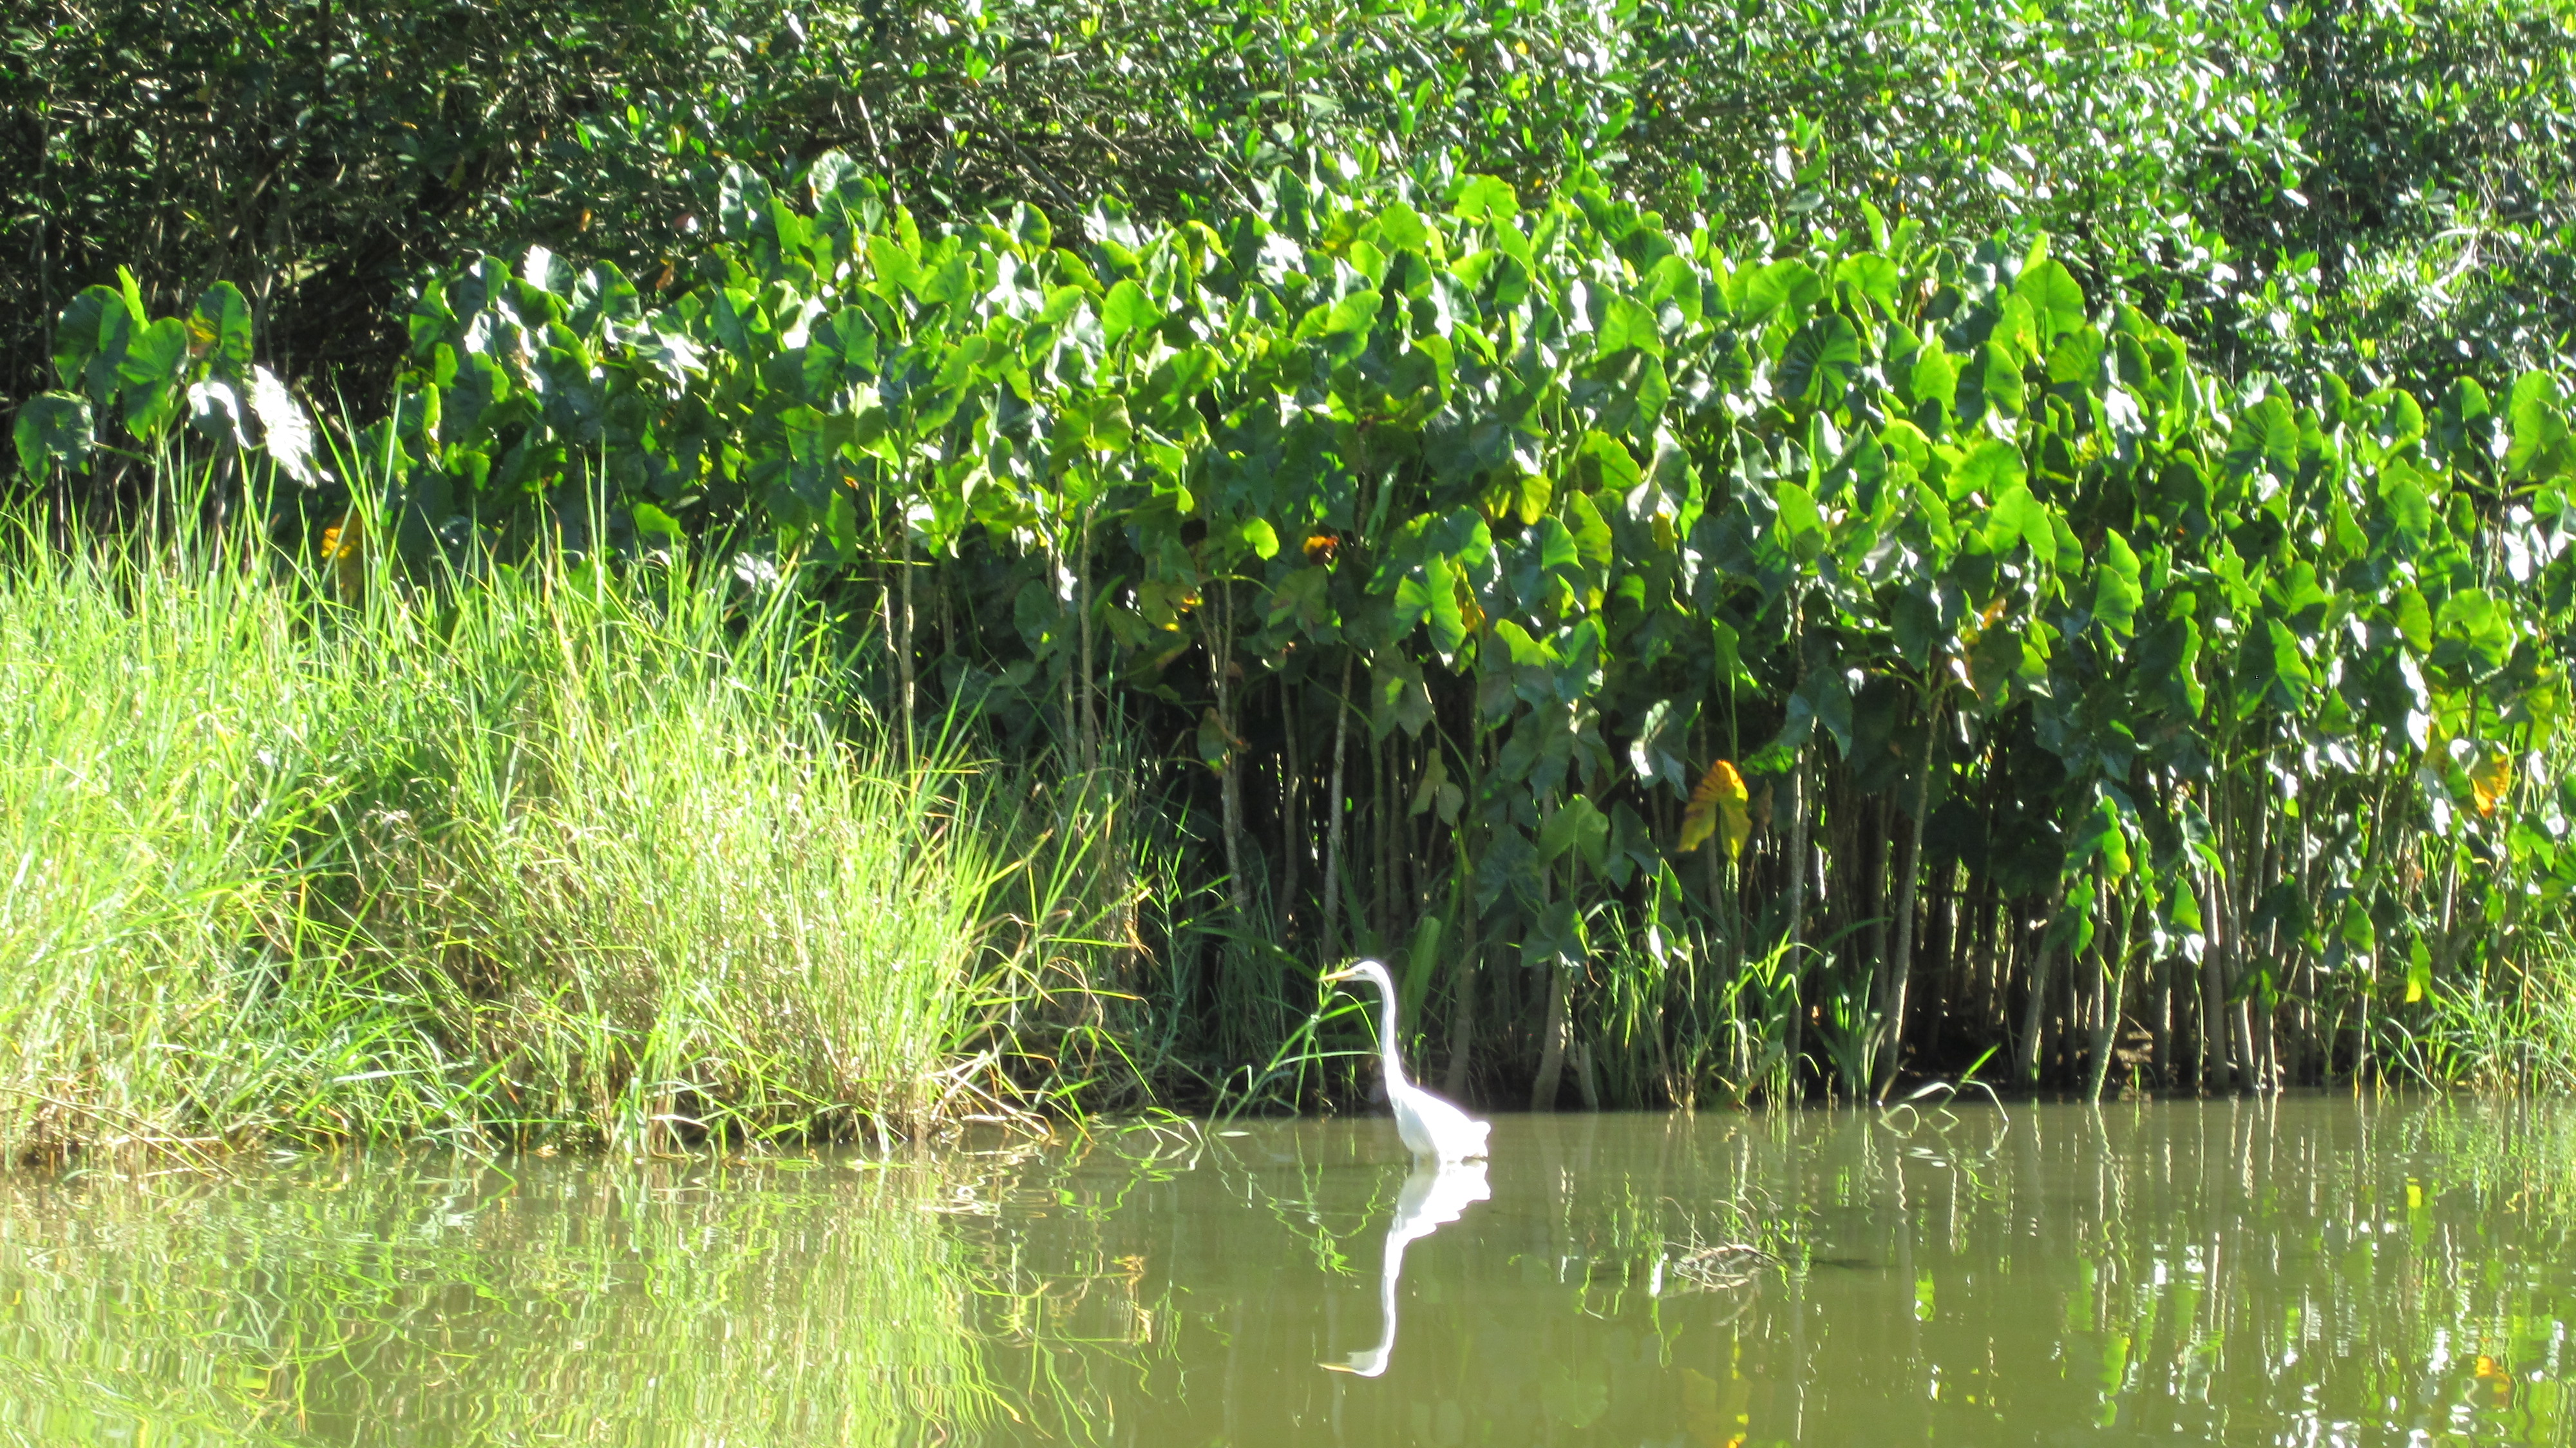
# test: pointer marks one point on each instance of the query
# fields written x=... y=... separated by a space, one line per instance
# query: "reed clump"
x=570 y=853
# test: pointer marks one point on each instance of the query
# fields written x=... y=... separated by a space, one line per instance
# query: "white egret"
x=1433 y=1129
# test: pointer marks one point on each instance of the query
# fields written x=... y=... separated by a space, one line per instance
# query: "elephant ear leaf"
x=1822 y=697
x=1556 y=937
x=2116 y=594
x=1819 y=361
x=1127 y=309
x=1628 y=323
x=2056 y=300
x=1720 y=801
x=219 y=331
x=53 y=428
x=2491 y=778
x=154 y=363
x=2540 y=447
x=1578 y=826
x=77 y=333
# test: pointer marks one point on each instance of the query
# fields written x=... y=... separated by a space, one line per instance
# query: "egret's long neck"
x=1386 y=1036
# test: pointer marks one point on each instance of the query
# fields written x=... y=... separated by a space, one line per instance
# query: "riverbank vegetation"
x=1735 y=588
x=546 y=854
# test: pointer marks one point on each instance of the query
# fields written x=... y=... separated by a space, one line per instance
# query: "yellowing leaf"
x=1719 y=800
x=344 y=548
x=1969 y=633
x=2490 y=777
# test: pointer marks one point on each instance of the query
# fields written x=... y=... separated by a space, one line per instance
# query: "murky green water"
x=2308 y=1271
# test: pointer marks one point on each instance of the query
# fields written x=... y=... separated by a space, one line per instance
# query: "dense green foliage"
x=2383 y=177
x=2229 y=707
x=549 y=857
x=1483 y=456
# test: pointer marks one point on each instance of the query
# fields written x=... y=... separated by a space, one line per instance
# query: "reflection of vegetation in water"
x=2308 y=1270
x=2210 y=1271
x=370 y=1300
x=2232 y=1272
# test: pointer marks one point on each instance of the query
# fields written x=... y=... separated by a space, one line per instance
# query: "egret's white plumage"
x=1433 y=1129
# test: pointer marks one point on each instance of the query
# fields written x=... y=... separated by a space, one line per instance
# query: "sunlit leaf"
x=2056 y=300
x=2491 y=778
x=1628 y=323
x=219 y=331
x=344 y=554
x=2116 y=595
x=1720 y=802
x=1820 y=361
x=156 y=358
x=1126 y=310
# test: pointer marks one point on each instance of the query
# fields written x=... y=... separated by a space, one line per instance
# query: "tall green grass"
x=565 y=853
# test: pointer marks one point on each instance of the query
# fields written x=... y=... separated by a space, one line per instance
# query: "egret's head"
x=1368 y=970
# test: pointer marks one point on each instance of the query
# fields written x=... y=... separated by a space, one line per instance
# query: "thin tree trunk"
x=1333 y=822
x=2160 y=1027
x=1462 y=1007
x=2239 y=1014
x=1558 y=1031
x=2213 y=990
x=2250 y=1073
x=1793 y=1042
x=1878 y=858
x=2035 y=1008
x=2112 y=967
x=2261 y=1022
x=1090 y=721
x=1553 y=1033
x=1230 y=774
x=903 y=653
x=1389 y=810
x=1947 y=941
x=1901 y=969
x=1291 y=818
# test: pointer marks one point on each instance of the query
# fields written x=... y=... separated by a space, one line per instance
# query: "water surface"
x=2308 y=1271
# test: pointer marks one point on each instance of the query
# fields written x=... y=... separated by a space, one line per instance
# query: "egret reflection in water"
x=1433 y=1196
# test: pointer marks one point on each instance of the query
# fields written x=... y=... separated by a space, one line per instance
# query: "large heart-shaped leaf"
x=53 y=430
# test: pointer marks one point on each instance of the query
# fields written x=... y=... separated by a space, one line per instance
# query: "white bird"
x=1433 y=1129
